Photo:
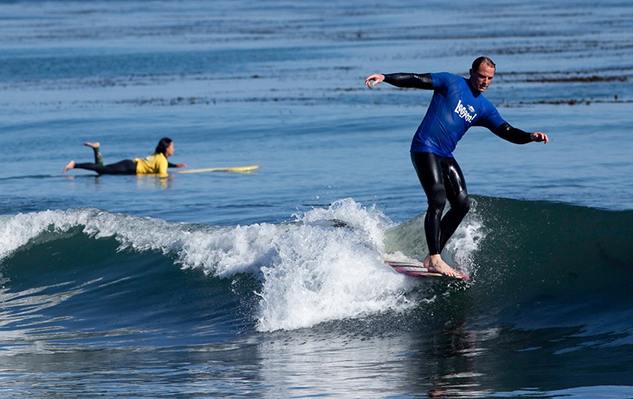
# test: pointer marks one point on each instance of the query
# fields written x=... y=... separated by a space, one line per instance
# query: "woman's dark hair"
x=162 y=146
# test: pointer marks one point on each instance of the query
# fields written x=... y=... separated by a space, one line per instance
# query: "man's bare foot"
x=70 y=165
x=94 y=146
x=437 y=264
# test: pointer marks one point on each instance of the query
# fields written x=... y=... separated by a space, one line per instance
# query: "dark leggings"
x=125 y=167
x=442 y=180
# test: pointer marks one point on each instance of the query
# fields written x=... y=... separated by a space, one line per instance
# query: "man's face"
x=481 y=79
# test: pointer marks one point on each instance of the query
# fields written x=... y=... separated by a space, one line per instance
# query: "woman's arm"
x=176 y=165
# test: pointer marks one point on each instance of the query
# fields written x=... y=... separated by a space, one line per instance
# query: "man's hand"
x=181 y=165
x=373 y=80
x=539 y=137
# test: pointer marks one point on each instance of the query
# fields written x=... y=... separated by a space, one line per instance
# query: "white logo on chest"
x=463 y=113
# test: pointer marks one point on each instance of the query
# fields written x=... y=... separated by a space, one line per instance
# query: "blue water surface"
x=280 y=84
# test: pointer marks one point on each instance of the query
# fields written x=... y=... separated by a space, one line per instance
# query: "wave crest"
x=327 y=264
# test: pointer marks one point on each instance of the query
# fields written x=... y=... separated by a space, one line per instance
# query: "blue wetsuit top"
x=454 y=108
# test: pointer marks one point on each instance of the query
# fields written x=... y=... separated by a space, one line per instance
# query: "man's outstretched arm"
x=408 y=80
x=518 y=136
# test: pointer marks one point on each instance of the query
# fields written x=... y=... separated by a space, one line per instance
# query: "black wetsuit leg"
x=442 y=180
x=429 y=172
x=125 y=167
x=457 y=196
x=98 y=156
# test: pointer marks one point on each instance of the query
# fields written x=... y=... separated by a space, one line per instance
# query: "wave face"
x=87 y=275
x=542 y=264
x=62 y=269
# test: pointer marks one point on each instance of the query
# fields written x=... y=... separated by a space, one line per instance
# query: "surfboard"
x=411 y=268
x=232 y=169
x=416 y=269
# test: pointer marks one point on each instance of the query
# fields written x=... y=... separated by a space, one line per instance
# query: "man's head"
x=481 y=73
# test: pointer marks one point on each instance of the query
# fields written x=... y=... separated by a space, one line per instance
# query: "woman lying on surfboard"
x=154 y=164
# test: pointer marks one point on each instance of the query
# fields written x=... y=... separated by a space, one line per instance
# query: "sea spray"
x=408 y=240
x=466 y=241
x=330 y=271
x=223 y=252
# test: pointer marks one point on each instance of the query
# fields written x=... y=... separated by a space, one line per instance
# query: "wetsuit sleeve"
x=512 y=134
x=410 y=80
x=171 y=165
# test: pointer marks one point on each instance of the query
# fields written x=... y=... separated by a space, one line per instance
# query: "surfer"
x=457 y=104
x=154 y=164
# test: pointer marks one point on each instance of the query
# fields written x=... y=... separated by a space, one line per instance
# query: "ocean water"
x=271 y=284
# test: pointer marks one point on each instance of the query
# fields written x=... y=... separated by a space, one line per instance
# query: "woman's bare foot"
x=437 y=264
x=70 y=165
x=94 y=146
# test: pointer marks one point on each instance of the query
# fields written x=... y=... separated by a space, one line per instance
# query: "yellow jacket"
x=154 y=164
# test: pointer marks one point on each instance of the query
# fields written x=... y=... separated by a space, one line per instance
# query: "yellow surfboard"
x=233 y=169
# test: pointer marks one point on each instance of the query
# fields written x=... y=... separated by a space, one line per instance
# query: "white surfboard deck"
x=231 y=169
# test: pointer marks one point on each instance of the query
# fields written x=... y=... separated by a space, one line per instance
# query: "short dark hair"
x=161 y=148
x=482 y=60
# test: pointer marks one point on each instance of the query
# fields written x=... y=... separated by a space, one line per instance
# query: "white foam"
x=327 y=265
x=16 y=231
x=327 y=273
x=466 y=240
